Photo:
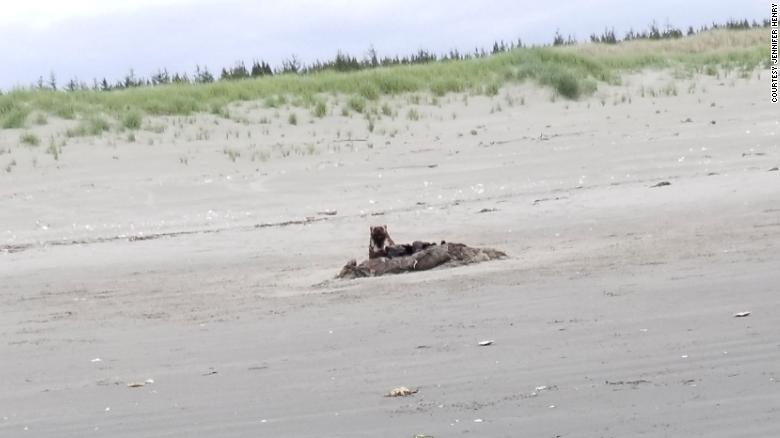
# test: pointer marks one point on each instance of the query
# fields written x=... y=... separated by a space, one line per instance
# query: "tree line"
x=344 y=62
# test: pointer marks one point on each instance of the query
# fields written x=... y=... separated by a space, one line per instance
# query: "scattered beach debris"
x=140 y=384
x=422 y=435
x=557 y=198
x=257 y=368
x=661 y=184
x=210 y=372
x=97 y=359
x=486 y=343
x=687 y=120
x=774 y=169
x=741 y=314
x=487 y=210
x=540 y=389
x=478 y=420
x=626 y=382
x=401 y=391
x=328 y=213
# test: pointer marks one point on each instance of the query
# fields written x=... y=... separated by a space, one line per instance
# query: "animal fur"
x=379 y=241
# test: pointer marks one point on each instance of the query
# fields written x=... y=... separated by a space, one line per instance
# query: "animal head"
x=378 y=234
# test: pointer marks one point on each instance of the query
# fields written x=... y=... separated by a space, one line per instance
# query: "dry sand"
x=164 y=259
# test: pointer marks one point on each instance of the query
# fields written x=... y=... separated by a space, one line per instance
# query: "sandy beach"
x=196 y=258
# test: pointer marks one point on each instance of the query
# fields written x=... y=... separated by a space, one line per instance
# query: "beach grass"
x=569 y=71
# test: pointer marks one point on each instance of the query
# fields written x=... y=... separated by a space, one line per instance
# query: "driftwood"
x=432 y=256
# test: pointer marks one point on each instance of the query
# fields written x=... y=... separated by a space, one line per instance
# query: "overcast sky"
x=97 y=38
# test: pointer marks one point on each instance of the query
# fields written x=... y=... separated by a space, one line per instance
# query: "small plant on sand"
x=30 y=139
x=509 y=99
x=12 y=118
x=132 y=119
x=565 y=84
x=54 y=150
x=275 y=101
x=292 y=119
x=261 y=156
x=386 y=110
x=231 y=153
x=320 y=109
x=473 y=132
x=40 y=119
x=357 y=104
x=94 y=125
x=491 y=89
x=413 y=114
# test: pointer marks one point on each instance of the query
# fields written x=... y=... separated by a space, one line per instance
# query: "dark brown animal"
x=379 y=241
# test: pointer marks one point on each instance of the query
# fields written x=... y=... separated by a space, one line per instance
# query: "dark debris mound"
x=446 y=254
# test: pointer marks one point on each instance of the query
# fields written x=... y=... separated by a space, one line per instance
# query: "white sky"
x=96 y=38
x=42 y=13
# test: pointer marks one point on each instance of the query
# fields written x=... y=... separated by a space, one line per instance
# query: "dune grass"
x=570 y=71
x=30 y=139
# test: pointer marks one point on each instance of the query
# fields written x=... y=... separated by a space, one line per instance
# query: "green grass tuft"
x=91 y=126
x=357 y=104
x=132 y=120
x=12 y=114
x=320 y=109
x=29 y=138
